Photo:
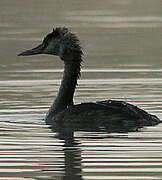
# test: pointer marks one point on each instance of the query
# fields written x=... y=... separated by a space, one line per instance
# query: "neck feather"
x=68 y=84
x=66 y=91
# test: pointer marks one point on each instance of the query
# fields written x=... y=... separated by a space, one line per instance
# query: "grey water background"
x=122 y=47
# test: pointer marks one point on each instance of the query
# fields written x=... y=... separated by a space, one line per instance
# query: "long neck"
x=68 y=84
x=66 y=91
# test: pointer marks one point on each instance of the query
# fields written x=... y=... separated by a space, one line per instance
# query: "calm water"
x=122 y=60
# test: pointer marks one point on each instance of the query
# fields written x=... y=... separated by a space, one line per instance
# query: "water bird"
x=65 y=44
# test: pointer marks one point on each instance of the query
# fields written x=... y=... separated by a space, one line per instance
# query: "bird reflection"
x=72 y=154
x=72 y=151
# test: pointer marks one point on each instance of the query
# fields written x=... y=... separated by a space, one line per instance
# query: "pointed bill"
x=34 y=51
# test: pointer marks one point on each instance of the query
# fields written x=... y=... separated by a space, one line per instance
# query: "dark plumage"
x=61 y=42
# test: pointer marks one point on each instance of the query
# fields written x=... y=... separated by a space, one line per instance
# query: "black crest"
x=60 y=31
x=56 y=33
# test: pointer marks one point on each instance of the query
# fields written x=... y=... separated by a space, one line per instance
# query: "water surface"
x=122 y=60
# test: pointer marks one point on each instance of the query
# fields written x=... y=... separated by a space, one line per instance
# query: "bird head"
x=60 y=42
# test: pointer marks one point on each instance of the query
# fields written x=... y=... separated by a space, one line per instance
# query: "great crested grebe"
x=61 y=42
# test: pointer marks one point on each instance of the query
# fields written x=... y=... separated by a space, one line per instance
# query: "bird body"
x=61 y=42
x=106 y=112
